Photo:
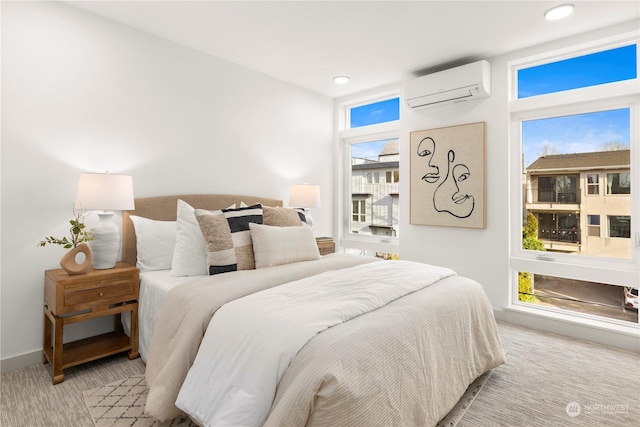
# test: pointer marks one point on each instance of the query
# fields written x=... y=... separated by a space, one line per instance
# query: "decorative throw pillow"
x=301 y=214
x=155 y=241
x=282 y=245
x=280 y=217
x=190 y=253
x=228 y=237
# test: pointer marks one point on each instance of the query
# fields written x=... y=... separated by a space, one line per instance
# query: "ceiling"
x=374 y=43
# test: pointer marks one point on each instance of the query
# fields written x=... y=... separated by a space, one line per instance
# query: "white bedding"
x=154 y=286
x=422 y=350
x=235 y=383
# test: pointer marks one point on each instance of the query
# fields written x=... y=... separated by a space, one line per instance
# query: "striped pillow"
x=228 y=237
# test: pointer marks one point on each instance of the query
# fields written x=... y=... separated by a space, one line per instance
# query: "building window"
x=562 y=144
x=593 y=225
x=619 y=226
x=557 y=189
x=593 y=184
x=359 y=212
x=558 y=227
x=393 y=176
x=619 y=183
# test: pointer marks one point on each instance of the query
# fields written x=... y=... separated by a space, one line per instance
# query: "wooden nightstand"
x=326 y=245
x=76 y=298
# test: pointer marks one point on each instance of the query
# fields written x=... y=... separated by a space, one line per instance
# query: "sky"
x=559 y=135
x=580 y=133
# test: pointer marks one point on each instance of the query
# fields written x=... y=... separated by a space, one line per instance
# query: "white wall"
x=84 y=94
x=483 y=254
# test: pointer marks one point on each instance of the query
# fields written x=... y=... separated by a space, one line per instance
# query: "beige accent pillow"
x=280 y=217
x=228 y=237
x=190 y=252
x=282 y=245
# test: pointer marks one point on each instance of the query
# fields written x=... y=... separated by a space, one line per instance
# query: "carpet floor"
x=548 y=380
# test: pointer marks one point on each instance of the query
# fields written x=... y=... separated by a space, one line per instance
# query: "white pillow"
x=282 y=245
x=190 y=252
x=155 y=241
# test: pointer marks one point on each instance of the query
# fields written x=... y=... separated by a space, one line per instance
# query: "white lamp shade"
x=304 y=196
x=104 y=191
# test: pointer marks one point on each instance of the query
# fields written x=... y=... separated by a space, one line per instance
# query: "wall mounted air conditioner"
x=459 y=84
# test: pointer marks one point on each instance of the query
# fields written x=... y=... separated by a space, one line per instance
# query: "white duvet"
x=250 y=342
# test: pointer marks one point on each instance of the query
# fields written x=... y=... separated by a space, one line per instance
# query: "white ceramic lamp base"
x=106 y=242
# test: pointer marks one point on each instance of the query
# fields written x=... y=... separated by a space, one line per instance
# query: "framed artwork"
x=448 y=176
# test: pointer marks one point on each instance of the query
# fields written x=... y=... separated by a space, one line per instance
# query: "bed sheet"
x=154 y=286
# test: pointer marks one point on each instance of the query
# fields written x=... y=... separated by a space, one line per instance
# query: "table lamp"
x=106 y=192
x=305 y=196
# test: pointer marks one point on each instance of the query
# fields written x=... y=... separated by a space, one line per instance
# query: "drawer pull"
x=101 y=293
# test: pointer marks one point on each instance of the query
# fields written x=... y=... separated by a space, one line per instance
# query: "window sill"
x=623 y=337
x=630 y=329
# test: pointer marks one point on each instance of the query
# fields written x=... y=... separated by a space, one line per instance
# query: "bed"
x=295 y=338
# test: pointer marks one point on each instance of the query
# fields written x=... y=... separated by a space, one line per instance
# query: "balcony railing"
x=567 y=235
x=552 y=196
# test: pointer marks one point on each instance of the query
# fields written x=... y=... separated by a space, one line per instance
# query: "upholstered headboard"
x=164 y=208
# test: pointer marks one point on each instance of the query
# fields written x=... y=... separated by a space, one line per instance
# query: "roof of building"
x=390 y=148
x=376 y=165
x=593 y=160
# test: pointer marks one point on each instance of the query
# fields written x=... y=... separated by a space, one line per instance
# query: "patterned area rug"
x=122 y=404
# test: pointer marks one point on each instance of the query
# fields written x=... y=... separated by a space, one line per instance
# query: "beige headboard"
x=164 y=208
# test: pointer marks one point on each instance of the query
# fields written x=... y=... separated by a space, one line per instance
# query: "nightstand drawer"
x=119 y=288
x=66 y=294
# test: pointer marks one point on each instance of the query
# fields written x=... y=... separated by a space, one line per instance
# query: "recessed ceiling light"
x=341 y=79
x=559 y=12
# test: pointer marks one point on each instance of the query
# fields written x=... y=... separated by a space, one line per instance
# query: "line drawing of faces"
x=450 y=196
x=427 y=149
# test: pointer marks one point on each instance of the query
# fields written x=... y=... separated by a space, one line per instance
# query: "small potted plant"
x=78 y=244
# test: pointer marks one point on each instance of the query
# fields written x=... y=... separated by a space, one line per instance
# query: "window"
x=619 y=226
x=593 y=225
x=618 y=183
x=569 y=144
x=359 y=211
x=560 y=227
x=607 y=66
x=371 y=169
x=557 y=189
x=593 y=184
x=374 y=113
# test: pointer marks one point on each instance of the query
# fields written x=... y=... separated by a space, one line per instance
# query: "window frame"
x=591 y=185
x=591 y=227
x=622 y=94
x=347 y=136
x=609 y=189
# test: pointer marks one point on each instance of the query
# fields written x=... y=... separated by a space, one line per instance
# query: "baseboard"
x=624 y=340
x=22 y=361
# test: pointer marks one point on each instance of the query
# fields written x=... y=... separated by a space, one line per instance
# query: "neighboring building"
x=374 y=193
x=582 y=202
